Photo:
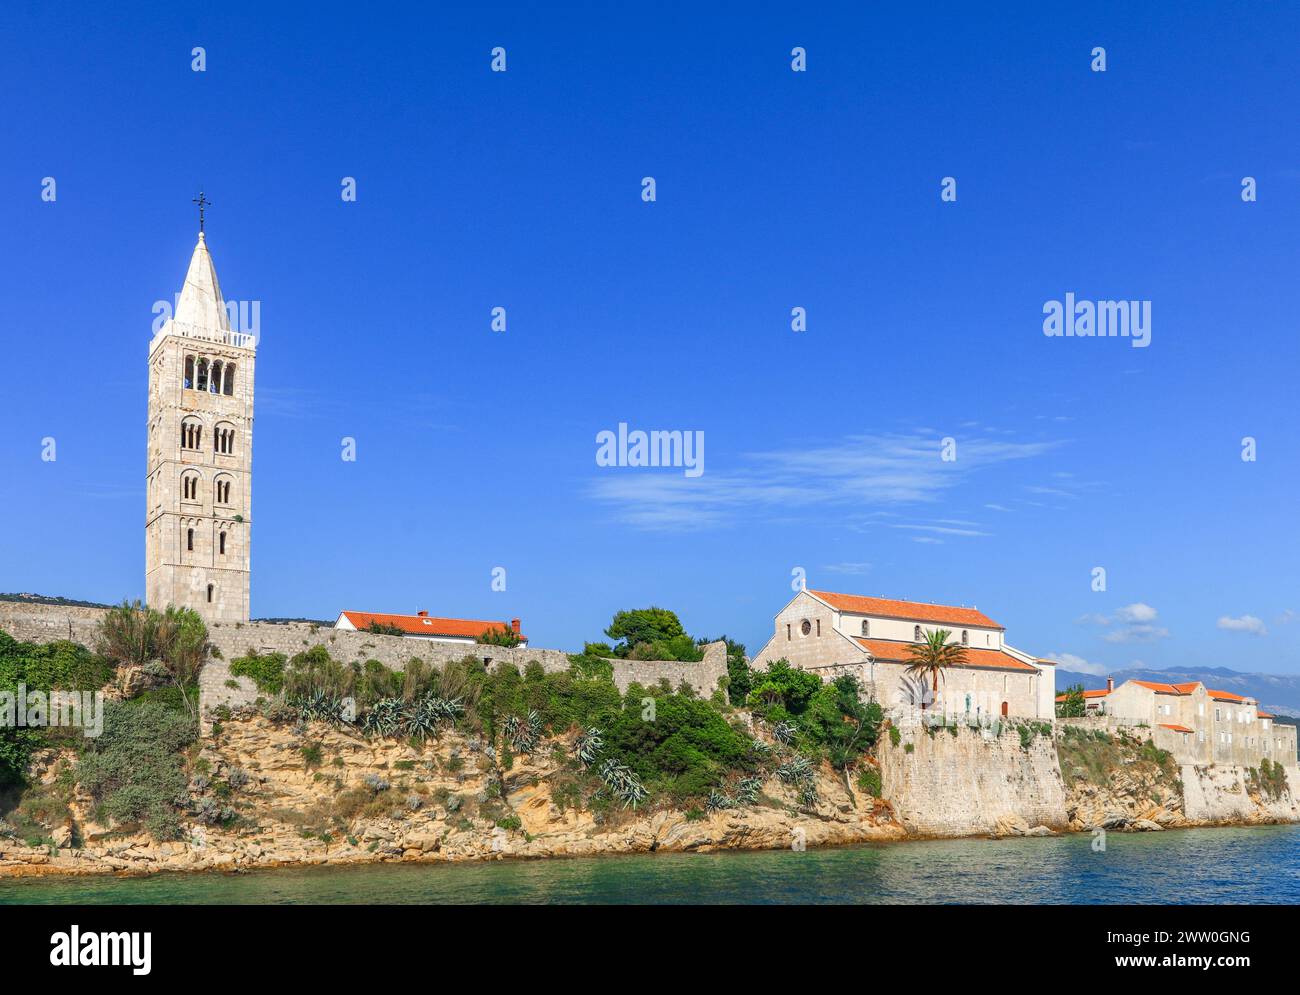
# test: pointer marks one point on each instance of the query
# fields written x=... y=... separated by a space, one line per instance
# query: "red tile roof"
x=1264 y=715
x=1175 y=728
x=897 y=652
x=913 y=611
x=1087 y=694
x=1224 y=695
x=1158 y=688
x=424 y=625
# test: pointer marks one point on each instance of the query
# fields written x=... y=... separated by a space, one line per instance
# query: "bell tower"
x=200 y=453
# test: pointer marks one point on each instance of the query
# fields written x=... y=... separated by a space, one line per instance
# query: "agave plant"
x=423 y=716
x=383 y=718
x=588 y=746
x=319 y=706
x=785 y=732
x=748 y=789
x=717 y=801
x=808 y=795
x=523 y=734
x=622 y=783
x=796 y=771
x=761 y=748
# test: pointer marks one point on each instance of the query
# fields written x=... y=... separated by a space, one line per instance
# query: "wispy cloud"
x=848 y=568
x=858 y=471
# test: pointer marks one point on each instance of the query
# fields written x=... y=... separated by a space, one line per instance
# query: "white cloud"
x=1136 y=612
x=1246 y=623
x=1069 y=661
x=1133 y=623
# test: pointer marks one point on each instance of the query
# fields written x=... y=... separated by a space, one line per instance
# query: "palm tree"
x=933 y=656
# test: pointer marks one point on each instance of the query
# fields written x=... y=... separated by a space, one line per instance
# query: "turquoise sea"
x=1198 y=866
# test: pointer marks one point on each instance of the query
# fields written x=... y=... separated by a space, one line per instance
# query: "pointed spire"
x=200 y=305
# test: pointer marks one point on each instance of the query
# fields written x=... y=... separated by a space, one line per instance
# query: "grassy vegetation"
x=1094 y=755
x=1268 y=780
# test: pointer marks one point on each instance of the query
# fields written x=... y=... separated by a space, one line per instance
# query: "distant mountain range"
x=1276 y=693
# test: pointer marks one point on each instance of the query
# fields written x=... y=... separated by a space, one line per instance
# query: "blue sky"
x=775 y=190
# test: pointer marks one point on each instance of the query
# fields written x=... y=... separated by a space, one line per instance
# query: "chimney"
x=1110 y=684
x=514 y=625
x=422 y=614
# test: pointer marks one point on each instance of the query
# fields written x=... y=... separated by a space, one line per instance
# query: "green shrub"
x=265 y=671
x=869 y=781
x=895 y=737
x=135 y=769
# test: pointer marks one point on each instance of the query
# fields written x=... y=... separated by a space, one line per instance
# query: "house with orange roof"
x=1196 y=724
x=422 y=625
x=830 y=634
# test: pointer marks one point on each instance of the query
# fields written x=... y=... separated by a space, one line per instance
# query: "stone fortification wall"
x=974 y=782
x=46 y=623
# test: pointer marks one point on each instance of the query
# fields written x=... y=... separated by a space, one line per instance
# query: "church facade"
x=200 y=454
x=831 y=634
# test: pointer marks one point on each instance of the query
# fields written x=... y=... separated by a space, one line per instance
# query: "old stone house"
x=831 y=634
x=1198 y=725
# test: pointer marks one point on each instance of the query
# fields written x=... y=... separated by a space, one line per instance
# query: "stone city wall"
x=972 y=783
x=47 y=623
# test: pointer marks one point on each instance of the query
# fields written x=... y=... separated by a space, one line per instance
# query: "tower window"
x=215 y=386
x=190 y=487
x=230 y=379
x=203 y=375
x=189 y=540
x=210 y=588
x=225 y=440
x=221 y=544
x=189 y=372
x=191 y=434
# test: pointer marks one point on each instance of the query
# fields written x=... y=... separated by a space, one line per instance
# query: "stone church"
x=200 y=453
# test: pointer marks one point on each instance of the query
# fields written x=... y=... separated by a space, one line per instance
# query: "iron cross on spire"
x=203 y=202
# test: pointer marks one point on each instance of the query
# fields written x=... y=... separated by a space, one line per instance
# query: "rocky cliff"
x=320 y=795
x=1121 y=781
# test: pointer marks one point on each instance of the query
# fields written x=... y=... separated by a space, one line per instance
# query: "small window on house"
x=866 y=627
x=805 y=627
x=965 y=637
x=819 y=627
x=189 y=540
x=787 y=632
x=916 y=634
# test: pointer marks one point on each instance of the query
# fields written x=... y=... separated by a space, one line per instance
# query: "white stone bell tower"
x=199 y=481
